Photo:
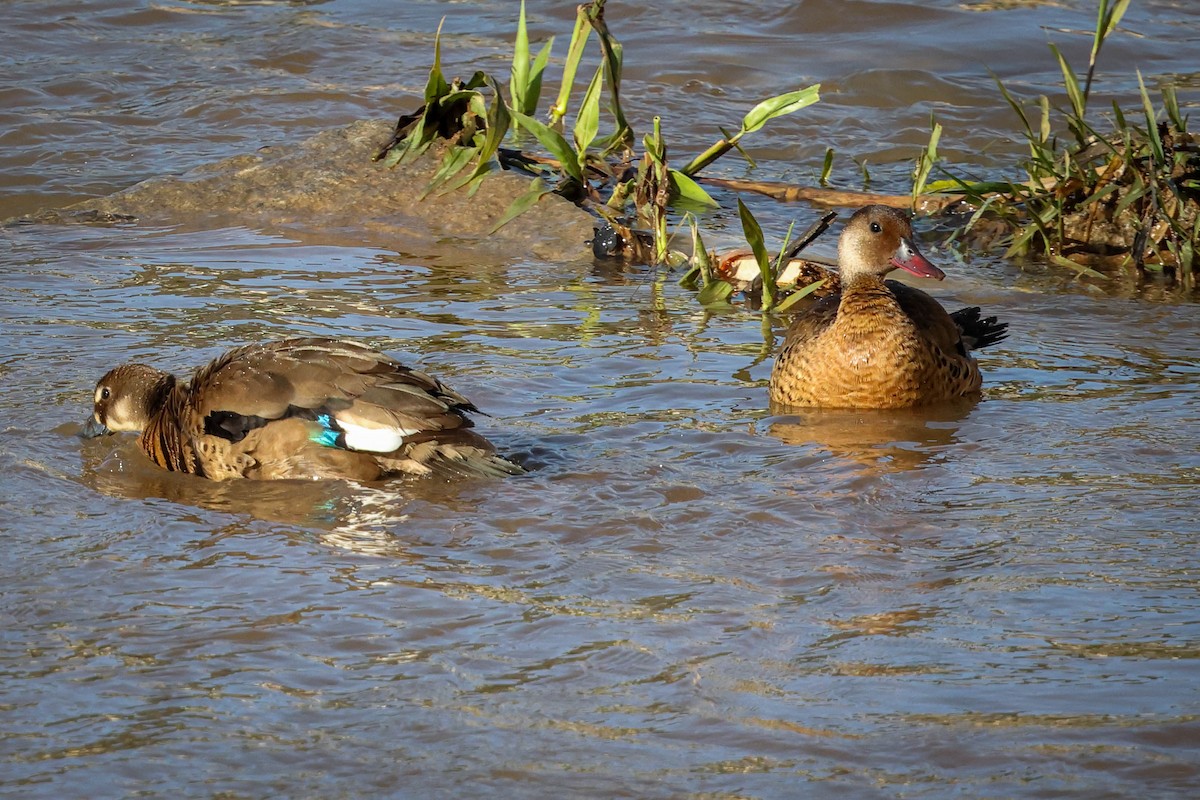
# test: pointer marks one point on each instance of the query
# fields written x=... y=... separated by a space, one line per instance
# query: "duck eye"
x=105 y=393
x=876 y=227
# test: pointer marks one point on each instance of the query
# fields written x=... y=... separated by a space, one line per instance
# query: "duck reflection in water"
x=880 y=440
x=878 y=371
x=343 y=514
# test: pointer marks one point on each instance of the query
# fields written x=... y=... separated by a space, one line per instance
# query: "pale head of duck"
x=878 y=239
x=127 y=398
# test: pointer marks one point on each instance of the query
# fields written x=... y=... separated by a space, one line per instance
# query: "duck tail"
x=978 y=331
x=455 y=461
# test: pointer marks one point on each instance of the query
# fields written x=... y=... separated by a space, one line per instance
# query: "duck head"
x=126 y=398
x=878 y=239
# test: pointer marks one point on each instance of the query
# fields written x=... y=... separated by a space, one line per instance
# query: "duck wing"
x=362 y=399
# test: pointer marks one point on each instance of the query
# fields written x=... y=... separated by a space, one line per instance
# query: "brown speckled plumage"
x=877 y=343
x=298 y=408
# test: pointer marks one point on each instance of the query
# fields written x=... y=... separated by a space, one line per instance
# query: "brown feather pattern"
x=298 y=408
x=876 y=343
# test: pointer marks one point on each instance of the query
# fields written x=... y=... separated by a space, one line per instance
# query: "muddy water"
x=689 y=596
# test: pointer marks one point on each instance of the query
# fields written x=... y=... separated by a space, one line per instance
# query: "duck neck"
x=162 y=439
x=868 y=293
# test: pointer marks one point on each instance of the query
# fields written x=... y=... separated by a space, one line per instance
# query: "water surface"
x=688 y=597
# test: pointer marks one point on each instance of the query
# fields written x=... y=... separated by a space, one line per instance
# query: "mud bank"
x=327 y=189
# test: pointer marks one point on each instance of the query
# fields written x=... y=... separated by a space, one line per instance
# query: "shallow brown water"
x=688 y=597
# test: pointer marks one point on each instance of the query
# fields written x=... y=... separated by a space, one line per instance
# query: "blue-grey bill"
x=92 y=429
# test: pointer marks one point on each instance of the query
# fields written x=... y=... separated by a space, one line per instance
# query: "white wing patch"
x=374 y=440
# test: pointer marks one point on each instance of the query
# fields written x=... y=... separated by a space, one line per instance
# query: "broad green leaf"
x=779 y=106
x=683 y=187
x=653 y=145
x=1107 y=20
x=1171 y=104
x=926 y=161
x=715 y=293
x=518 y=81
x=533 y=93
x=1078 y=268
x=452 y=163
x=579 y=37
x=450 y=98
x=498 y=120
x=537 y=190
x=553 y=141
x=754 y=237
x=587 y=121
x=1044 y=130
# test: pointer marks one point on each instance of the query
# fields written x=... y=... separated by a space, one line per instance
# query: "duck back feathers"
x=298 y=408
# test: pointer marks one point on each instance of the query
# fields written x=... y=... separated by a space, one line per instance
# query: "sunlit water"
x=688 y=596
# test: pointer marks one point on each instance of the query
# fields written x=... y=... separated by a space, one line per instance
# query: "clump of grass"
x=602 y=173
x=1129 y=198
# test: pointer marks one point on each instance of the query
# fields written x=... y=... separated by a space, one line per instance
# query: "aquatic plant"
x=1096 y=200
x=472 y=121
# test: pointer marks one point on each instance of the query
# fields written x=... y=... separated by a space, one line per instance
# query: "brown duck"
x=878 y=343
x=298 y=408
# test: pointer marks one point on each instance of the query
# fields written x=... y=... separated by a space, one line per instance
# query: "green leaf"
x=926 y=161
x=700 y=258
x=579 y=37
x=1079 y=269
x=537 y=190
x=1074 y=92
x=553 y=141
x=498 y=120
x=827 y=167
x=683 y=187
x=1015 y=106
x=587 y=121
x=436 y=85
x=799 y=294
x=778 y=106
x=533 y=93
x=518 y=81
x=715 y=293
x=754 y=237
x=1151 y=125
x=452 y=163
x=1171 y=104
x=1107 y=20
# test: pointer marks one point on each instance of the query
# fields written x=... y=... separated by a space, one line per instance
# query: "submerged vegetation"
x=1096 y=200
x=1088 y=201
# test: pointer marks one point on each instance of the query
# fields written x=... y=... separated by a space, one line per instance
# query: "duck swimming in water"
x=298 y=408
x=878 y=343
